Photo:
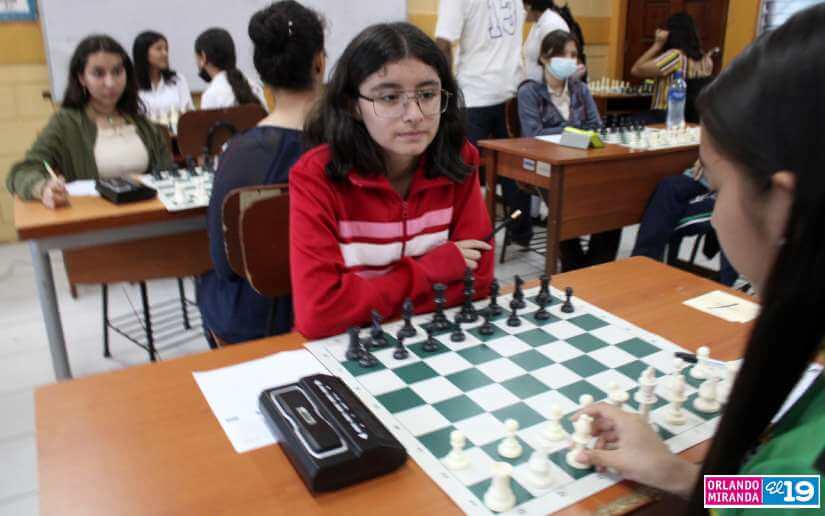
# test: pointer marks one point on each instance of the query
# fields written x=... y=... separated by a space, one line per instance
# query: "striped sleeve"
x=670 y=61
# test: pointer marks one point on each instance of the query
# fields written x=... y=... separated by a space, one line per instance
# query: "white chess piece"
x=180 y=198
x=585 y=400
x=700 y=370
x=645 y=396
x=456 y=459
x=553 y=431
x=509 y=447
x=583 y=432
x=674 y=414
x=539 y=467
x=500 y=496
x=706 y=400
x=724 y=387
x=616 y=396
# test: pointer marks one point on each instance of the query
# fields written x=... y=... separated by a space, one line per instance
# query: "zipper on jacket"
x=403 y=228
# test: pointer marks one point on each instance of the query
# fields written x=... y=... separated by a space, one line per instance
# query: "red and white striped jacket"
x=356 y=245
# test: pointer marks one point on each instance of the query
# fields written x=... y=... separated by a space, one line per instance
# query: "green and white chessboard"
x=519 y=373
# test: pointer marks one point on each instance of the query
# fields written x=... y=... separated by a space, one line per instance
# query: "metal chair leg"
x=147 y=318
x=105 y=298
x=182 y=293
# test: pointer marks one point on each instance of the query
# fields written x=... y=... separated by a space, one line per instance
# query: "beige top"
x=561 y=100
x=120 y=152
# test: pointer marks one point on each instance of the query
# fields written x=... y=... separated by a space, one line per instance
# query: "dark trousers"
x=491 y=122
x=679 y=206
x=601 y=249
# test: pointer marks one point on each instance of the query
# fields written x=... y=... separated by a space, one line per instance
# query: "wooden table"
x=129 y=242
x=588 y=191
x=144 y=441
x=621 y=103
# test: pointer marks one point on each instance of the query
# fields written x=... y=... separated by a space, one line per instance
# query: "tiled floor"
x=25 y=362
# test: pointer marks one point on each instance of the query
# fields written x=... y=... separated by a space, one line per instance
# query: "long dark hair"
x=219 y=48
x=287 y=37
x=683 y=35
x=567 y=16
x=765 y=126
x=554 y=42
x=76 y=95
x=333 y=122
x=140 y=53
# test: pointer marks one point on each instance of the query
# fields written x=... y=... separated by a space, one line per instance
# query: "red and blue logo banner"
x=768 y=491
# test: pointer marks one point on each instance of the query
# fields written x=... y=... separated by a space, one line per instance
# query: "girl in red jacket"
x=388 y=203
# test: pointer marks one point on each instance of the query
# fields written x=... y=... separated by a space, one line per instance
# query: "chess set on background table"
x=481 y=396
x=185 y=188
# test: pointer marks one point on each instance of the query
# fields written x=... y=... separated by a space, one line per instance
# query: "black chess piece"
x=354 y=347
x=408 y=330
x=468 y=312
x=541 y=314
x=486 y=328
x=514 y=320
x=377 y=334
x=494 y=308
x=544 y=290
x=400 y=352
x=430 y=344
x=440 y=321
x=567 y=307
x=458 y=334
x=191 y=166
x=518 y=295
x=367 y=359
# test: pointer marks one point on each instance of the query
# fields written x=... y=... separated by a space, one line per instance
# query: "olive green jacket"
x=67 y=144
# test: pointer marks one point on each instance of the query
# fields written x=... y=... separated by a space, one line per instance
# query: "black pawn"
x=518 y=295
x=367 y=360
x=486 y=328
x=400 y=352
x=430 y=344
x=408 y=330
x=514 y=320
x=377 y=334
x=458 y=334
x=494 y=308
x=354 y=347
x=567 y=307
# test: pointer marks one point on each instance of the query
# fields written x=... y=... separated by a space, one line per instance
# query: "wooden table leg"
x=554 y=203
x=489 y=159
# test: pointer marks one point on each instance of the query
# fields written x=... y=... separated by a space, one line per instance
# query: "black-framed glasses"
x=431 y=102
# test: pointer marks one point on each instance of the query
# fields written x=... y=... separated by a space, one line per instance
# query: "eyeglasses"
x=431 y=102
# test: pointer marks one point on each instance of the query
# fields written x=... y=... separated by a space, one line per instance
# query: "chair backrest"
x=511 y=118
x=265 y=243
x=194 y=127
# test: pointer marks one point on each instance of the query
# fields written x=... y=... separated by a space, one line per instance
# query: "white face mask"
x=562 y=67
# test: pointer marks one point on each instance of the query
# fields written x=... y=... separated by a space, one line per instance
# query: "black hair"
x=332 y=120
x=554 y=42
x=140 y=53
x=287 y=37
x=765 y=126
x=217 y=45
x=567 y=16
x=683 y=35
x=76 y=96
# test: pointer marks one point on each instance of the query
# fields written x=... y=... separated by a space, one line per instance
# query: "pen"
x=49 y=170
x=693 y=359
x=513 y=216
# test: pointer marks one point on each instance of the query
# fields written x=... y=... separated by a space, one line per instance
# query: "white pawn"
x=647 y=384
x=678 y=367
x=724 y=387
x=500 y=496
x=456 y=459
x=180 y=198
x=706 y=399
x=583 y=432
x=616 y=396
x=700 y=370
x=509 y=447
x=553 y=431
x=585 y=400
x=539 y=467
x=674 y=414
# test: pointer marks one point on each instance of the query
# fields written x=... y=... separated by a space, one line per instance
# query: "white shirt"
x=120 y=152
x=219 y=94
x=561 y=100
x=489 y=37
x=547 y=23
x=164 y=96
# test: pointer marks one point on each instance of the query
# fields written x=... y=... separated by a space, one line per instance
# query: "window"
x=775 y=12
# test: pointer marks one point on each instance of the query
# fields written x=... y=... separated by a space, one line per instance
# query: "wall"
x=23 y=112
x=743 y=16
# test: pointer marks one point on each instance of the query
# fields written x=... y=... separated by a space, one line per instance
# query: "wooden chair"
x=205 y=131
x=512 y=119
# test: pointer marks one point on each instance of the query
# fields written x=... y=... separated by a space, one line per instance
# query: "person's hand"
x=661 y=37
x=627 y=444
x=471 y=251
x=53 y=194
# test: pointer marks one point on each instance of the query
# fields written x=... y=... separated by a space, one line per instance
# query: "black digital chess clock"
x=327 y=433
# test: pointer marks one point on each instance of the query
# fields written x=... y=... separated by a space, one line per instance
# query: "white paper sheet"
x=725 y=306
x=232 y=393
x=82 y=187
x=552 y=138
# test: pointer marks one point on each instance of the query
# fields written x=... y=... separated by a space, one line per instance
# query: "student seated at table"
x=288 y=44
x=680 y=203
x=761 y=153
x=161 y=89
x=98 y=131
x=675 y=49
x=228 y=86
x=547 y=107
x=388 y=204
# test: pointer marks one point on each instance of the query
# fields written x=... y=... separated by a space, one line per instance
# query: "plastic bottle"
x=676 y=102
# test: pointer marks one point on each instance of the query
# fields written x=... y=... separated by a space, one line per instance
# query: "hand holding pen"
x=54 y=194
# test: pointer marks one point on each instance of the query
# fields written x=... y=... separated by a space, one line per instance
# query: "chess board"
x=519 y=373
x=193 y=193
x=653 y=138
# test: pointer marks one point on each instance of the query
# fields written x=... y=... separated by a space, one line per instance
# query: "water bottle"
x=676 y=101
